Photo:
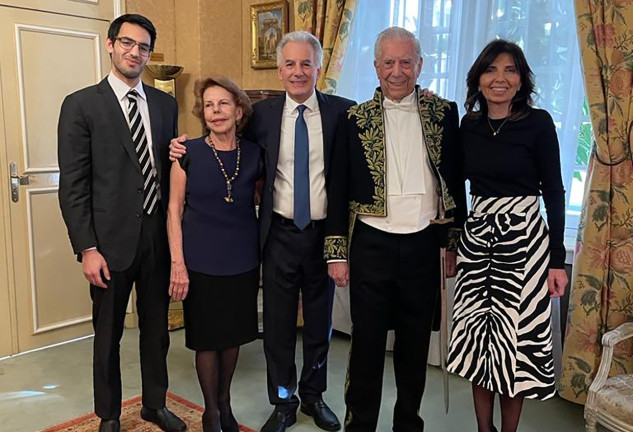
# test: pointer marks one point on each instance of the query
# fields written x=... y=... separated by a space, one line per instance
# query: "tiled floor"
x=47 y=387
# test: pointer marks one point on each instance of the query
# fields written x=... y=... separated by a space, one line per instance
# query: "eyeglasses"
x=128 y=44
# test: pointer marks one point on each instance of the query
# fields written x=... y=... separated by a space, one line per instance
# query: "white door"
x=43 y=57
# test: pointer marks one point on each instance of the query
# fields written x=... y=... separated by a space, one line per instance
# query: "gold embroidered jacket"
x=357 y=184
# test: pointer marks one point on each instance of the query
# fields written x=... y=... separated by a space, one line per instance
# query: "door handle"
x=16 y=181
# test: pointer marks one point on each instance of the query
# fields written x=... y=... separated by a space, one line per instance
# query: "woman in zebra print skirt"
x=509 y=261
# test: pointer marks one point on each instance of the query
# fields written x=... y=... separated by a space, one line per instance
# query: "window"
x=452 y=33
x=576 y=190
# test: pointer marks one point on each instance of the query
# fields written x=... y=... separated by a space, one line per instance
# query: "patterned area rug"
x=131 y=420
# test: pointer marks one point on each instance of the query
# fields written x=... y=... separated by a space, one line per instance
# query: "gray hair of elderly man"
x=301 y=36
x=396 y=33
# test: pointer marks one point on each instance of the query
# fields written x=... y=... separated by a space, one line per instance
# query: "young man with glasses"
x=113 y=142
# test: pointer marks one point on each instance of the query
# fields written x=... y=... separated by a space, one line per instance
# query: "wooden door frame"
x=6 y=271
x=119 y=8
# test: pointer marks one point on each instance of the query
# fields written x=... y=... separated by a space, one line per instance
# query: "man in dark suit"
x=114 y=184
x=296 y=131
x=395 y=173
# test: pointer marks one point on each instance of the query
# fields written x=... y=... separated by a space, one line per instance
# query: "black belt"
x=289 y=222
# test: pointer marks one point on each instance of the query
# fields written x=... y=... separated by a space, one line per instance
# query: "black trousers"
x=394 y=284
x=150 y=273
x=293 y=262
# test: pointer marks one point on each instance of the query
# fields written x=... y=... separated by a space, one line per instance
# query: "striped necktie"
x=150 y=191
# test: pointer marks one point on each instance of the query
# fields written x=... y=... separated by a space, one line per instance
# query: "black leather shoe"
x=278 y=422
x=322 y=415
x=229 y=424
x=109 y=426
x=164 y=419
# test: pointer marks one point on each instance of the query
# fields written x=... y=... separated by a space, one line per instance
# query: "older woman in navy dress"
x=213 y=238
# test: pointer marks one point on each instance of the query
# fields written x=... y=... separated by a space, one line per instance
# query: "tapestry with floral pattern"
x=601 y=296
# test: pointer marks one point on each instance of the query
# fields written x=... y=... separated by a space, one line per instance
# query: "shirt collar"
x=121 y=89
x=407 y=103
x=311 y=103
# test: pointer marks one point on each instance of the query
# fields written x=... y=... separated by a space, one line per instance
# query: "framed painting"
x=269 y=22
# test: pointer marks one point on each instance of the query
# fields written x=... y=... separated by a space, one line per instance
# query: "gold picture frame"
x=269 y=22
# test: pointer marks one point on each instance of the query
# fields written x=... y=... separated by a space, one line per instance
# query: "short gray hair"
x=301 y=36
x=396 y=33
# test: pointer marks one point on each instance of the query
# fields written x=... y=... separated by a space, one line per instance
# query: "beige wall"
x=162 y=13
x=205 y=37
x=188 y=45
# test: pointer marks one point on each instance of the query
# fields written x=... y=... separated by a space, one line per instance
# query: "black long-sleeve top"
x=522 y=159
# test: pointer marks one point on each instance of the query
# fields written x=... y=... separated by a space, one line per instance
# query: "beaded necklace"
x=229 y=180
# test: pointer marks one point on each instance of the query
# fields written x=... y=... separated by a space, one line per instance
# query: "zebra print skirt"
x=501 y=337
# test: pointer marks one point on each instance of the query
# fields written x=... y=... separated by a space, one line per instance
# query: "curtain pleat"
x=330 y=21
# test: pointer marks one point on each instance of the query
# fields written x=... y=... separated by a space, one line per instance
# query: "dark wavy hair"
x=476 y=104
x=239 y=96
x=139 y=20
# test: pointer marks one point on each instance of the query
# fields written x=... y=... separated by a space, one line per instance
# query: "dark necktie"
x=301 y=214
x=150 y=191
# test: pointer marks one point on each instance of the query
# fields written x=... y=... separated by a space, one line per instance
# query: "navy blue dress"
x=220 y=244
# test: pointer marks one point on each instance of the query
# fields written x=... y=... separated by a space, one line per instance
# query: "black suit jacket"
x=100 y=182
x=265 y=129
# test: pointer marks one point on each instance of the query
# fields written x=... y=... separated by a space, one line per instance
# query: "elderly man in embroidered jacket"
x=394 y=177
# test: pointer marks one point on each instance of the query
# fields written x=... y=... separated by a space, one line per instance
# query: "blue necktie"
x=301 y=214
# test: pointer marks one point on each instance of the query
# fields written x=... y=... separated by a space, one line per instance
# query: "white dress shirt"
x=283 y=195
x=412 y=199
